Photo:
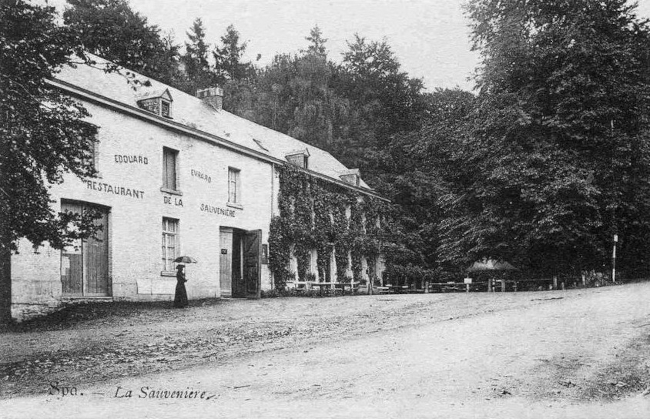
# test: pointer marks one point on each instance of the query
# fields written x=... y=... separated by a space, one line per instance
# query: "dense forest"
x=540 y=165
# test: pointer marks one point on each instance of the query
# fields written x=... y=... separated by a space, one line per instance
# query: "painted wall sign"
x=218 y=210
x=169 y=200
x=114 y=189
x=196 y=173
x=123 y=158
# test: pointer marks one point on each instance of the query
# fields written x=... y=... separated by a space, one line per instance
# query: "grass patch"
x=628 y=374
x=72 y=314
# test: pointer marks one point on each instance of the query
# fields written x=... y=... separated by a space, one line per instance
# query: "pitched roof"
x=194 y=113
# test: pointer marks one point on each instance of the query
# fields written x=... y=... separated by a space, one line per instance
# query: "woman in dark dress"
x=180 y=298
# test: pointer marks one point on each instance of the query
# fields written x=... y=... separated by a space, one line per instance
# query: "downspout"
x=272 y=215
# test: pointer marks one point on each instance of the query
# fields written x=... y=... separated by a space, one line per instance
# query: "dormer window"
x=351 y=176
x=299 y=158
x=166 y=109
x=157 y=102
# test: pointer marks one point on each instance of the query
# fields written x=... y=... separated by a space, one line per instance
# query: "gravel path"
x=540 y=354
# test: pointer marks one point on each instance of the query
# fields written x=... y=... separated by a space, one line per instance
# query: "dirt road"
x=579 y=353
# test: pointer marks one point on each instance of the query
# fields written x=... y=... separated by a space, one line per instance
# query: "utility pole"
x=615 y=227
x=614 y=258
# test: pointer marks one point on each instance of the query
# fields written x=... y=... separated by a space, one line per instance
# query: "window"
x=299 y=158
x=170 y=158
x=156 y=102
x=352 y=176
x=234 y=186
x=170 y=243
x=166 y=109
x=90 y=158
x=352 y=179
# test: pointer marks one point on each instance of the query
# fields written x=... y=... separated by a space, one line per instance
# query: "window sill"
x=171 y=191
x=168 y=273
x=234 y=205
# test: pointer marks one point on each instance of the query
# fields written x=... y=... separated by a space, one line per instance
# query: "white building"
x=178 y=175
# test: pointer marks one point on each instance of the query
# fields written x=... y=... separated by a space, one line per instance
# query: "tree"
x=112 y=30
x=296 y=97
x=316 y=42
x=419 y=167
x=274 y=101
x=170 y=73
x=43 y=134
x=229 y=64
x=391 y=100
x=558 y=140
x=387 y=102
x=238 y=77
x=195 y=59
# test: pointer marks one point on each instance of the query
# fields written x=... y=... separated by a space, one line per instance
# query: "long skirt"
x=180 y=298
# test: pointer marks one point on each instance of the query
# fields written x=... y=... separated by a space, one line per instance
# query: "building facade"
x=178 y=175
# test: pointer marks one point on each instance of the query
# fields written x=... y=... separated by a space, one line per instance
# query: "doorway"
x=239 y=261
x=84 y=263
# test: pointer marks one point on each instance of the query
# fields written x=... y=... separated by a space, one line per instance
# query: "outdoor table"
x=398 y=289
x=298 y=285
x=327 y=286
x=343 y=285
x=446 y=286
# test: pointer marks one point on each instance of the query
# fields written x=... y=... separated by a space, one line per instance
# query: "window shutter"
x=169 y=169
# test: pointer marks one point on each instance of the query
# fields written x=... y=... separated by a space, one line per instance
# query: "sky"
x=430 y=38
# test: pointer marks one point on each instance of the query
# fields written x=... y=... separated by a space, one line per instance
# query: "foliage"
x=112 y=30
x=279 y=253
x=350 y=110
x=316 y=42
x=198 y=74
x=388 y=101
x=293 y=95
x=416 y=167
x=43 y=134
x=553 y=159
x=313 y=216
x=229 y=64
x=274 y=293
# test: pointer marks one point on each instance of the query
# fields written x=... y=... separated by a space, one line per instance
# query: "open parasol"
x=185 y=259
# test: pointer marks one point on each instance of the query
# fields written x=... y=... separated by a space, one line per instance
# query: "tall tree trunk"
x=5 y=273
x=5 y=232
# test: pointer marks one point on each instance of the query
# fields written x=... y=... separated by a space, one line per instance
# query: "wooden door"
x=84 y=264
x=95 y=257
x=225 y=261
x=252 y=263
x=72 y=260
x=238 y=286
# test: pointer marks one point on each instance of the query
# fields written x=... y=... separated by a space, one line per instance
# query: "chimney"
x=213 y=96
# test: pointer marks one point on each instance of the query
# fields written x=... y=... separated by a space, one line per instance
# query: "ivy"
x=315 y=214
x=280 y=255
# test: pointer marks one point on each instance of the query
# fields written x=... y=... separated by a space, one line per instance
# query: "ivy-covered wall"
x=315 y=214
